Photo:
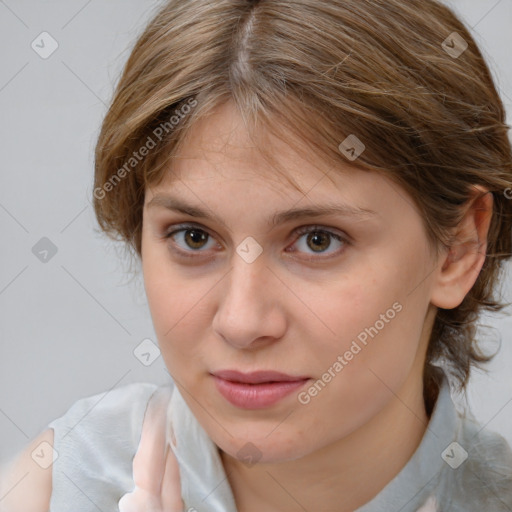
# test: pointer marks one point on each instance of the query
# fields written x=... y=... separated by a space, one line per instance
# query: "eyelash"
x=298 y=232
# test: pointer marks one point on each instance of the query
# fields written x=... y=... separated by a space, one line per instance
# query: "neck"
x=342 y=476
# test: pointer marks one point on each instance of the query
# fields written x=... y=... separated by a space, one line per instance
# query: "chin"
x=256 y=447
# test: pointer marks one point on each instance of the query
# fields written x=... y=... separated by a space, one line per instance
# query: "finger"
x=139 y=500
x=149 y=461
x=171 y=485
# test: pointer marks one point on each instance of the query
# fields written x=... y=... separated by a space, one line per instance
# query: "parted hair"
x=394 y=73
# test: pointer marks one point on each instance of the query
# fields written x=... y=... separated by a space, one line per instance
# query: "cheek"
x=355 y=380
x=179 y=308
x=373 y=321
x=354 y=307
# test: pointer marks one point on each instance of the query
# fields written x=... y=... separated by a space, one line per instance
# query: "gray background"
x=69 y=326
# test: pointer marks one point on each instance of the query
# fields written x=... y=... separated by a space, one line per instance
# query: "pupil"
x=196 y=236
x=318 y=238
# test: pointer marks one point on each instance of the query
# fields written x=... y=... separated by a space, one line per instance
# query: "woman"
x=317 y=191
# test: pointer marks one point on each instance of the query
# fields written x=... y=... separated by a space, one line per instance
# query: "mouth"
x=256 y=390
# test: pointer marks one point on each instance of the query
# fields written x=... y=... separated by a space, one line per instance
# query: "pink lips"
x=256 y=390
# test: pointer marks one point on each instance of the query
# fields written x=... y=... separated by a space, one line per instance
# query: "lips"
x=257 y=377
x=256 y=390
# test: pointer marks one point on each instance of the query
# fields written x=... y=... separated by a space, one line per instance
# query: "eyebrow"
x=345 y=210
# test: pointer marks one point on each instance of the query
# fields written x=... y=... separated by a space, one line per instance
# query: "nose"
x=251 y=308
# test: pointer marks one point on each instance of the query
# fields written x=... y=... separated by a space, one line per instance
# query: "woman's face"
x=340 y=308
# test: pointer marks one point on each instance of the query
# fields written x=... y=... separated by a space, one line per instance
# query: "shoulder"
x=124 y=405
x=490 y=460
x=484 y=477
x=94 y=443
x=24 y=485
x=82 y=458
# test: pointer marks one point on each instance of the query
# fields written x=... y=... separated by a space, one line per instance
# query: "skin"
x=282 y=312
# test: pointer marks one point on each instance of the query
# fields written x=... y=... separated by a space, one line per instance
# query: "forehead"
x=220 y=147
x=220 y=167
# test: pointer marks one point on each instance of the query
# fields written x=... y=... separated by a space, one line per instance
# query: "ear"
x=460 y=266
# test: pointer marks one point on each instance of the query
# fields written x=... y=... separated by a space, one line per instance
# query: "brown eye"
x=187 y=240
x=195 y=238
x=318 y=241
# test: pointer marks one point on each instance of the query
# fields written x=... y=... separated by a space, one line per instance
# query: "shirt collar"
x=413 y=485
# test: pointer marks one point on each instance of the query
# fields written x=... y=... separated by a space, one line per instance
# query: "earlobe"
x=461 y=264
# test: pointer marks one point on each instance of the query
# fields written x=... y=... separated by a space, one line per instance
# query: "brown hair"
x=430 y=119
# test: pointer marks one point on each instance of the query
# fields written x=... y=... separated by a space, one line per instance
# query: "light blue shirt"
x=457 y=465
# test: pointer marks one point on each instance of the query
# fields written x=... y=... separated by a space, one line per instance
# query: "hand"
x=155 y=468
x=156 y=496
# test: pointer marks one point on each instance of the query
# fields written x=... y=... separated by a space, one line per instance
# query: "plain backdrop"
x=69 y=325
